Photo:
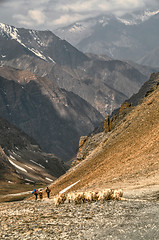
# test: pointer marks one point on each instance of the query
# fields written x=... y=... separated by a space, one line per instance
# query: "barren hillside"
x=126 y=157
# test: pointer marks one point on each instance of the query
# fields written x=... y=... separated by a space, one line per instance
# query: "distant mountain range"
x=100 y=80
x=131 y=37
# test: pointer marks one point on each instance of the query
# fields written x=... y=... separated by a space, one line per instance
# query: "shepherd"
x=48 y=190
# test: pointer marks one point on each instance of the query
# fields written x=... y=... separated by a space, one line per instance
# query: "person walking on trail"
x=35 y=192
x=40 y=193
x=48 y=192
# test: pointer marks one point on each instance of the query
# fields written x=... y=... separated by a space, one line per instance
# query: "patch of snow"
x=3 y=56
x=29 y=167
x=67 y=188
x=26 y=179
x=15 y=165
x=44 y=74
x=12 y=32
x=37 y=164
x=12 y=157
x=35 y=69
x=10 y=182
x=51 y=59
x=49 y=179
x=15 y=153
x=149 y=13
x=127 y=21
x=138 y=18
x=35 y=36
x=103 y=22
x=37 y=53
x=76 y=28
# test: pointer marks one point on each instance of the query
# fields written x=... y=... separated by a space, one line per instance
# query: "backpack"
x=48 y=190
x=34 y=190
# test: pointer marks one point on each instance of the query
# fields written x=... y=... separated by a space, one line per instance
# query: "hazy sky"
x=51 y=14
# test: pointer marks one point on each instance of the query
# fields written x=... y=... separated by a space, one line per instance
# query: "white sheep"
x=105 y=194
x=90 y=196
x=59 y=199
x=70 y=197
x=95 y=196
x=117 y=194
x=81 y=197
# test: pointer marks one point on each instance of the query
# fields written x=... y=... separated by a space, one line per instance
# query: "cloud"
x=99 y=6
x=78 y=6
x=66 y=19
x=32 y=18
x=23 y=20
x=37 y=16
x=70 y=10
x=53 y=13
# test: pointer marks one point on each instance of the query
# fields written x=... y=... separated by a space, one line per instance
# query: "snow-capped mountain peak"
x=13 y=33
x=134 y=19
x=42 y=44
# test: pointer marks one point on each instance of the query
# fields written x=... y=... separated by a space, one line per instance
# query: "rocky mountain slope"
x=54 y=117
x=126 y=156
x=22 y=162
x=132 y=37
x=101 y=81
x=105 y=84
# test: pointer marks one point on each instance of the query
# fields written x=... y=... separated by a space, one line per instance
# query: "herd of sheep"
x=90 y=196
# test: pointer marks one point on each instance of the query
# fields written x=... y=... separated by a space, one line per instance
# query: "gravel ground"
x=131 y=219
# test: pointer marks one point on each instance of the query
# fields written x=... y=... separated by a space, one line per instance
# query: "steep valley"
x=54 y=117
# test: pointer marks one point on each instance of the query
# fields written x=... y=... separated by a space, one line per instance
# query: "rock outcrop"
x=111 y=122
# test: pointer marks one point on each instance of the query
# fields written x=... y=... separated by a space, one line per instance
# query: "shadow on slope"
x=47 y=114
